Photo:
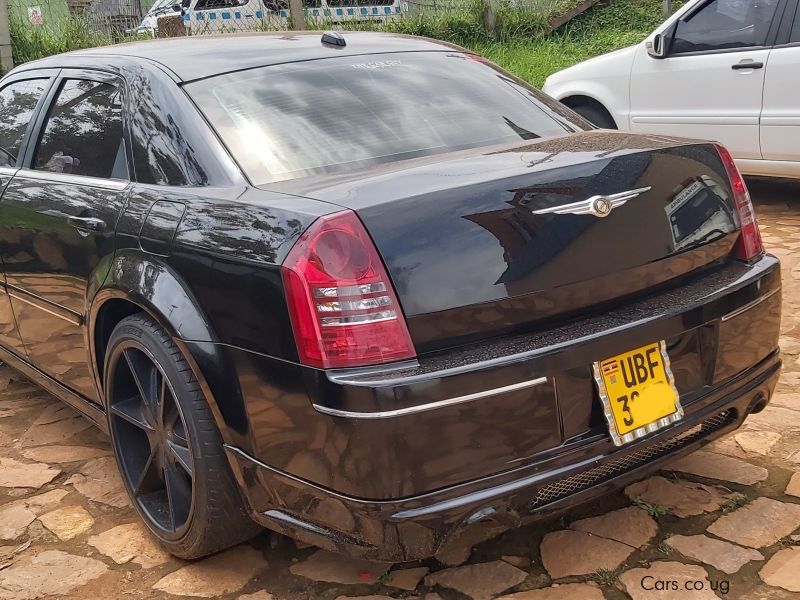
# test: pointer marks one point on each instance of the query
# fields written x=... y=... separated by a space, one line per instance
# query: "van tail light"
x=342 y=305
x=749 y=245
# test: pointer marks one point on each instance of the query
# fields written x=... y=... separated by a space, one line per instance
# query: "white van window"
x=209 y=4
x=725 y=25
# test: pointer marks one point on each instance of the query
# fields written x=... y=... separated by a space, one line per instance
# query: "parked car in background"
x=301 y=291
x=725 y=70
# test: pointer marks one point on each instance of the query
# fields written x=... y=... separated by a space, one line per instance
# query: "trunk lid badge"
x=598 y=206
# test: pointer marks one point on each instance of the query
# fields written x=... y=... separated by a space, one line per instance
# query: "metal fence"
x=47 y=26
x=109 y=17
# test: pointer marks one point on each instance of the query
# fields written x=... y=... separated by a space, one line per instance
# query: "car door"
x=57 y=220
x=780 y=115
x=20 y=97
x=710 y=83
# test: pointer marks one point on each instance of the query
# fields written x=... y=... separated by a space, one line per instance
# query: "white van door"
x=710 y=84
x=780 y=117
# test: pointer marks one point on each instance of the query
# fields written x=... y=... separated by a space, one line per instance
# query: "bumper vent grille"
x=574 y=484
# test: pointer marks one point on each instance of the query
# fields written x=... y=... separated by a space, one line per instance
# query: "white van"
x=218 y=16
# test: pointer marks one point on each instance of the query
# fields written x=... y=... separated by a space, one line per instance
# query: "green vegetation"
x=654 y=510
x=601 y=29
x=737 y=500
x=522 y=41
x=606 y=577
x=32 y=42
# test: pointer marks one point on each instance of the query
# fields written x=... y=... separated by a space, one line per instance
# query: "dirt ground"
x=721 y=523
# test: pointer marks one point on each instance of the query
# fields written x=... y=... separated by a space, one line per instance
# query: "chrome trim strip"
x=388 y=414
x=68 y=178
x=55 y=313
x=598 y=206
x=749 y=305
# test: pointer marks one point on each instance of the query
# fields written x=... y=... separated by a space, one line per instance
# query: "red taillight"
x=749 y=245
x=342 y=305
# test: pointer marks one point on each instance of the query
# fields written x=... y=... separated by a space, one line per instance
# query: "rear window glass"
x=332 y=115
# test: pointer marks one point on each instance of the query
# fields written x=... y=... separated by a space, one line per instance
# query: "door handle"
x=87 y=224
x=747 y=64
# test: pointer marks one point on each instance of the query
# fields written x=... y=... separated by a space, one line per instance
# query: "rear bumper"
x=418 y=527
x=392 y=463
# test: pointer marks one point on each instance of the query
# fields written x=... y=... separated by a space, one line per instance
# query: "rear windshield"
x=325 y=116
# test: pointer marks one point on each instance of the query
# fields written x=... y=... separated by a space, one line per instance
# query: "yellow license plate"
x=638 y=392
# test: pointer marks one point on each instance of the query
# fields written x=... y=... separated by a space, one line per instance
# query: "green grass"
x=652 y=509
x=606 y=577
x=734 y=502
x=74 y=33
x=665 y=549
x=601 y=29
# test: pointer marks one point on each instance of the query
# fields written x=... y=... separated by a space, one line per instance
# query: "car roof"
x=197 y=57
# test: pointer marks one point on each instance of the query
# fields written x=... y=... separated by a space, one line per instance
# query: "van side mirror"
x=657 y=46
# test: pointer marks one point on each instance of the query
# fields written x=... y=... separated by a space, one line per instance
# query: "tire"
x=596 y=116
x=168 y=449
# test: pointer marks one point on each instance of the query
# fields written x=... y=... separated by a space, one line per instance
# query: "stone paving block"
x=130 y=543
x=338 y=568
x=783 y=569
x=215 y=576
x=719 y=466
x=566 y=553
x=48 y=573
x=759 y=524
x=67 y=522
x=99 y=480
x=565 y=591
x=481 y=581
x=724 y=556
x=630 y=525
x=16 y=474
x=681 y=498
x=406 y=579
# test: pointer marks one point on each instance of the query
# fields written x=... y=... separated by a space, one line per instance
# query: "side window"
x=725 y=25
x=795 y=36
x=83 y=132
x=209 y=4
x=17 y=103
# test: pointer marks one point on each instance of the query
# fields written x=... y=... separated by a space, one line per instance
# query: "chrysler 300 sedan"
x=368 y=290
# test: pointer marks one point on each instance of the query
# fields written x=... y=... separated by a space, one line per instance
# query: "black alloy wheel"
x=151 y=440
x=167 y=445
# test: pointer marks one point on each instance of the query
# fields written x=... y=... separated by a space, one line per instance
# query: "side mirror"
x=657 y=46
x=176 y=8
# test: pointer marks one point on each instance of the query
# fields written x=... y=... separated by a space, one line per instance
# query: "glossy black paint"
x=190 y=242
x=474 y=209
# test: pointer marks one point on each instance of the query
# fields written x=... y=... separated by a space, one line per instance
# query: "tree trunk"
x=296 y=15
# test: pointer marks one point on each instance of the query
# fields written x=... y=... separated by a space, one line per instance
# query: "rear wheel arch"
x=123 y=295
x=592 y=110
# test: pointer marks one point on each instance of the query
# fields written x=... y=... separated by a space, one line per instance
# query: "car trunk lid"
x=482 y=242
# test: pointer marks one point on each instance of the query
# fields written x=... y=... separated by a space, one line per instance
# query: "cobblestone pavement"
x=725 y=518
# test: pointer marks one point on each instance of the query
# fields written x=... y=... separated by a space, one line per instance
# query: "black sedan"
x=368 y=290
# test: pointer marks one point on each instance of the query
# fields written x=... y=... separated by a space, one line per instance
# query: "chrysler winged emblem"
x=598 y=206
